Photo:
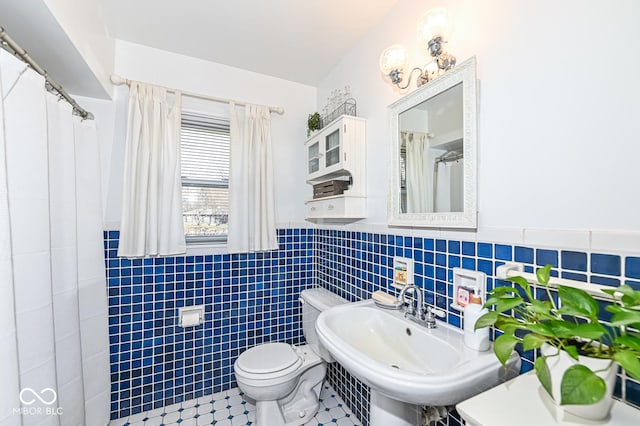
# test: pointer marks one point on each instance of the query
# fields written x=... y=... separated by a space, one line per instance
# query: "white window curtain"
x=151 y=223
x=252 y=225
x=419 y=199
x=53 y=302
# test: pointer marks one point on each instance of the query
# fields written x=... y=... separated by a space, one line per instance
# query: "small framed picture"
x=463 y=296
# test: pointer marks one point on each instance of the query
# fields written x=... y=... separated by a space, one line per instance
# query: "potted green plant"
x=571 y=338
x=314 y=122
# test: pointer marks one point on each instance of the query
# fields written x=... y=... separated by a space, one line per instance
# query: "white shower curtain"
x=252 y=224
x=151 y=223
x=457 y=186
x=53 y=309
x=449 y=191
x=419 y=199
x=442 y=194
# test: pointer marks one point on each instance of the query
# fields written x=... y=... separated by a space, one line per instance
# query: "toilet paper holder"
x=190 y=316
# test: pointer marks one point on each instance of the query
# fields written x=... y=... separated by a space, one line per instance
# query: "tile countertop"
x=522 y=401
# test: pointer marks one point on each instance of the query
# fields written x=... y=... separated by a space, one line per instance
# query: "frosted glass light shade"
x=393 y=58
x=434 y=23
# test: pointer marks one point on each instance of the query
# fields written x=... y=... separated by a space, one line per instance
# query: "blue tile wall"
x=252 y=298
x=249 y=299
x=355 y=264
x=575 y=261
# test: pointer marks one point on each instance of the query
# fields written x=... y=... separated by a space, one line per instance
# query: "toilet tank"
x=314 y=301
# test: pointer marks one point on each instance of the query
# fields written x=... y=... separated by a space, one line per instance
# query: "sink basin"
x=405 y=361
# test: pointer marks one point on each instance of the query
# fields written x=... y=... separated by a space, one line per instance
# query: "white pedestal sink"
x=405 y=364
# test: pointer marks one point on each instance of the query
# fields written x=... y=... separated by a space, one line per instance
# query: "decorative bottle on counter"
x=476 y=340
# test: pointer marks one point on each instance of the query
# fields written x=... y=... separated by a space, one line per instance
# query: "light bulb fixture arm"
x=396 y=77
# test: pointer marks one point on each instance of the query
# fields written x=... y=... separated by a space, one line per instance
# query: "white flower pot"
x=559 y=364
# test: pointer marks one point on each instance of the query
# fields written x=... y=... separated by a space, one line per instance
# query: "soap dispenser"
x=475 y=339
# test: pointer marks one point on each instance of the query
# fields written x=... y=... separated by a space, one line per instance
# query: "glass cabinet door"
x=314 y=157
x=332 y=148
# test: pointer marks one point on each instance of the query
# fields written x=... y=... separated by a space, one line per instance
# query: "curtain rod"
x=118 y=81
x=449 y=157
x=16 y=50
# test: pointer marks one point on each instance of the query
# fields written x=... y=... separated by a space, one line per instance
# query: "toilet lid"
x=268 y=358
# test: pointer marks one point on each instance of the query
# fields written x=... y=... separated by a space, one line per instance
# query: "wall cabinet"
x=338 y=152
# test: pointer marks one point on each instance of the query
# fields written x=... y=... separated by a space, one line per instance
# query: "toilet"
x=285 y=380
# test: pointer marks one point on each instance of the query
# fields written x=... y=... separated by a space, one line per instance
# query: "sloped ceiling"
x=292 y=39
x=297 y=40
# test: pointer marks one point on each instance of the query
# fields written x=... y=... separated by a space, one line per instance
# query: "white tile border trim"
x=624 y=242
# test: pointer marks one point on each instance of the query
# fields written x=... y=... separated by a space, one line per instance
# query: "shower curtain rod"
x=7 y=43
x=447 y=157
x=119 y=81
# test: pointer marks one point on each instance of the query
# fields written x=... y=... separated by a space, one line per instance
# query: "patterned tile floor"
x=229 y=408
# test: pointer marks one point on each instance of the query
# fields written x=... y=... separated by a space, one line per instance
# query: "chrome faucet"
x=415 y=313
x=418 y=313
x=430 y=317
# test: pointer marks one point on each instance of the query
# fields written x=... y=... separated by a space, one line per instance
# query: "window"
x=205 y=151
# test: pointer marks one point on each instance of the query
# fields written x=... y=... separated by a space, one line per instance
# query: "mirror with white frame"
x=433 y=153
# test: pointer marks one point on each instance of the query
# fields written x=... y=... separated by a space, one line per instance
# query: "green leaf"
x=507 y=328
x=542 y=329
x=626 y=318
x=630 y=297
x=543 y=373
x=629 y=341
x=572 y=351
x=629 y=361
x=543 y=274
x=494 y=300
x=487 y=320
x=503 y=347
x=631 y=300
x=532 y=341
x=578 y=301
x=503 y=289
x=589 y=331
x=561 y=328
x=570 y=310
x=540 y=307
x=614 y=309
x=504 y=321
x=581 y=386
x=627 y=290
x=508 y=303
x=523 y=283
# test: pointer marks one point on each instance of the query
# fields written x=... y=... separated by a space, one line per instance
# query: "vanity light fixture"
x=434 y=28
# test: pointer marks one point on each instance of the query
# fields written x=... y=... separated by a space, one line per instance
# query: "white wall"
x=104 y=113
x=558 y=109
x=189 y=74
x=83 y=23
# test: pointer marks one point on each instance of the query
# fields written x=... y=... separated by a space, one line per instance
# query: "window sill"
x=203 y=249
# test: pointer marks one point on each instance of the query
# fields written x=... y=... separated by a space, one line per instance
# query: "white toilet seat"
x=285 y=380
x=268 y=361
